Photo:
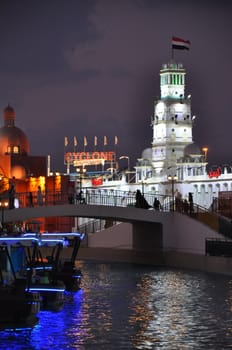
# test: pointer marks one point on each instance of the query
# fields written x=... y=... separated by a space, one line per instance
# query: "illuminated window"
x=8 y=149
x=16 y=149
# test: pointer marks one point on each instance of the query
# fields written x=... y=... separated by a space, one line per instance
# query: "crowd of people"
x=181 y=205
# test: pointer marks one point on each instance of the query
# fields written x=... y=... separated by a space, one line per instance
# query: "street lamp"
x=172 y=179
x=81 y=171
x=205 y=150
x=128 y=165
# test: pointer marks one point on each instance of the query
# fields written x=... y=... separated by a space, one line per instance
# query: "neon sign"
x=71 y=157
x=214 y=173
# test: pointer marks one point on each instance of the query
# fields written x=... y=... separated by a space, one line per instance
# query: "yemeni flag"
x=180 y=44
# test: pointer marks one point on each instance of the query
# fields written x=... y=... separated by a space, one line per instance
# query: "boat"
x=63 y=271
x=67 y=271
x=18 y=304
x=43 y=278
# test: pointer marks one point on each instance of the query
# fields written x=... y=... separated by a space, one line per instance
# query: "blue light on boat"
x=58 y=234
x=18 y=239
x=52 y=241
x=46 y=289
x=39 y=268
x=17 y=329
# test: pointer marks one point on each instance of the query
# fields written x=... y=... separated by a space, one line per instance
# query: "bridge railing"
x=106 y=197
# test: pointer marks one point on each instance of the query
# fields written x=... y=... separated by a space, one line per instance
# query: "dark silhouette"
x=156 y=204
x=186 y=206
x=179 y=202
x=140 y=201
x=11 y=196
x=71 y=195
x=190 y=203
x=81 y=198
x=30 y=199
x=39 y=196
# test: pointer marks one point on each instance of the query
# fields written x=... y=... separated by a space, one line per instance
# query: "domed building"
x=12 y=139
x=14 y=151
x=26 y=174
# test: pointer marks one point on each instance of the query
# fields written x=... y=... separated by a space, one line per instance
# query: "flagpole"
x=65 y=145
x=115 y=147
x=172 y=55
x=95 y=148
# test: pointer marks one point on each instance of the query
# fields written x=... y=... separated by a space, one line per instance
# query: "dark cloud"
x=86 y=68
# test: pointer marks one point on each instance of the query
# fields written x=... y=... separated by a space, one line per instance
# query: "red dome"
x=12 y=139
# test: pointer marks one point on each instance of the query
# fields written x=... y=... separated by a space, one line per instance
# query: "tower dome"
x=147 y=153
x=12 y=139
x=192 y=150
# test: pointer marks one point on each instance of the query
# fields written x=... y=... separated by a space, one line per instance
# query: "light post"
x=3 y=205
x=143 y=183
x=128 y=165
x=172 y=179
x=81 y=172
x=205 y=150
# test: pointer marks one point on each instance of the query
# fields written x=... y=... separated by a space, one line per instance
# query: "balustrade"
x=106 y=197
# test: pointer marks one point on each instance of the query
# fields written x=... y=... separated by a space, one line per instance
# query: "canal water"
x=124 y=306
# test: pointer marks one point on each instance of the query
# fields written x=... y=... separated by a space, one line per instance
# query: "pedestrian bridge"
x=113 y=205
x=123 y=214
x=101 y=204
x=153 y=232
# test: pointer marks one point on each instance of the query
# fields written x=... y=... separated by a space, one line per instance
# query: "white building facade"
x=175 y=163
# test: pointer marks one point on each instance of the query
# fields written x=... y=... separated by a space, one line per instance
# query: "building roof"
x=192 y=150
x=12 y=139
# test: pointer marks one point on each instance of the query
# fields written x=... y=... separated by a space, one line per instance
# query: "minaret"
x=172 y=120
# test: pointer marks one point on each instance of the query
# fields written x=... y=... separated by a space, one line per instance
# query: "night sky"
x=91 y=68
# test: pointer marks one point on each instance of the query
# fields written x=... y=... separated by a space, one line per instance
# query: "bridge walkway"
x=111 y=204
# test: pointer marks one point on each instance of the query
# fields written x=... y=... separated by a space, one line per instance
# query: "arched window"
x=16 y=149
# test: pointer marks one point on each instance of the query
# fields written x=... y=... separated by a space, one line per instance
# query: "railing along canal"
x=94 y=197
x=117 y=198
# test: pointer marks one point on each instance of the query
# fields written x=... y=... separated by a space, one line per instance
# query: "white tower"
x=172 y=120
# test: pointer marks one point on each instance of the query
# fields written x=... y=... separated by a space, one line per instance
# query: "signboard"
x=89 y=158
x=97 y=181
x=214 y=173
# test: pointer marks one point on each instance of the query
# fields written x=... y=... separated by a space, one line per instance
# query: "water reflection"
x=124 y=306
x=181 y=312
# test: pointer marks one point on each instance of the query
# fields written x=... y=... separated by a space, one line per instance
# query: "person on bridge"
x=11 y=196
x=30 y=199
x=39 y=196
x=156 y=204
x=70 y=195
x=81 y=198
x=141 y=202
